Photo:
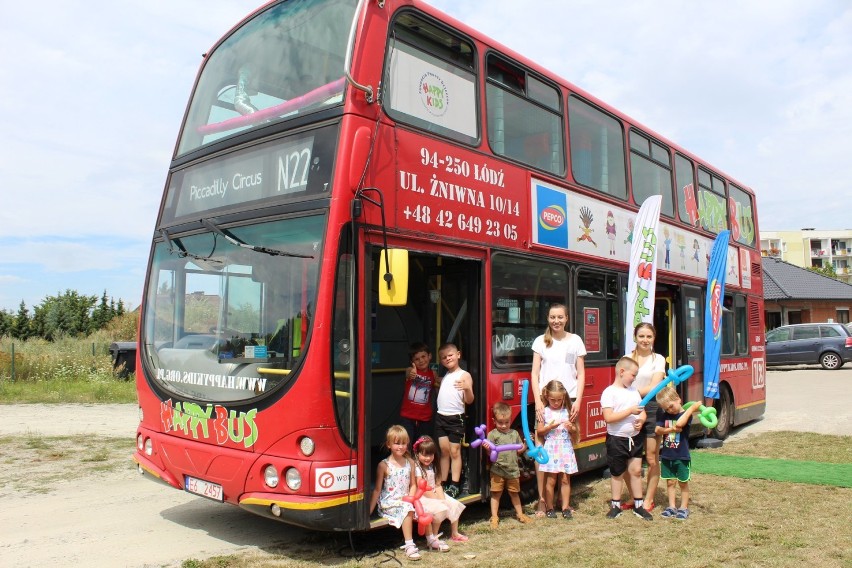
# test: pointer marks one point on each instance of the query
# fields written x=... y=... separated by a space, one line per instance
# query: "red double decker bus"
x=350 y=178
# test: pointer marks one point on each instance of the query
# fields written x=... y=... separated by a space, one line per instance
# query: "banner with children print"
x=713 y=314
x=642 y=277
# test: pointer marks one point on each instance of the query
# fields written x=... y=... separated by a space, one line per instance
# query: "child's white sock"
x=409 y=542
x=615 y=503
x=637 y=503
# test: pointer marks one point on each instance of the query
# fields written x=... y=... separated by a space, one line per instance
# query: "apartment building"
x=811 y=247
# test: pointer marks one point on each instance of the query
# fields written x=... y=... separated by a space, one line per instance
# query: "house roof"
x=785 y=281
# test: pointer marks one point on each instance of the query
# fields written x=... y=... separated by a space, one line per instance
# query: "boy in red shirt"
x=416 y=409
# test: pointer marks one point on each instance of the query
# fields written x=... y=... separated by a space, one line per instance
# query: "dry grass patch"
x=32 y=463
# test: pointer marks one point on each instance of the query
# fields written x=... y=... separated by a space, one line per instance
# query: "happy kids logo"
x=552 y=217
x=433 y=94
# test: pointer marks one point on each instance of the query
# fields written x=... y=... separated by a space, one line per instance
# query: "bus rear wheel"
x=725 y=412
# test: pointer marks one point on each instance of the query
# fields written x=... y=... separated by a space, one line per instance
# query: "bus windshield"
x=286 y=61
x=228 y=311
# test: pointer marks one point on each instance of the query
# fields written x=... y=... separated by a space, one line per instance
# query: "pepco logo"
x=551 y=217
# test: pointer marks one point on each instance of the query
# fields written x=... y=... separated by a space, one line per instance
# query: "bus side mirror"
x=393 y=277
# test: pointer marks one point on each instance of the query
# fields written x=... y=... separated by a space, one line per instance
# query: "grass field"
x=733 y=522
x=71 y=370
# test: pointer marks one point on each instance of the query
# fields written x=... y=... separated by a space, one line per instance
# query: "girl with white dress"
x=560 y=434
x=395 y=480
x=435 y=500
x=557 y=355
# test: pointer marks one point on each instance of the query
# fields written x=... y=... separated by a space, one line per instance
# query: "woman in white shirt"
x=557 y=355
x=652 y=370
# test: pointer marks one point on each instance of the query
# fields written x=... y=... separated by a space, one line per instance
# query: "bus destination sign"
x=244 y=177
x=286 y=168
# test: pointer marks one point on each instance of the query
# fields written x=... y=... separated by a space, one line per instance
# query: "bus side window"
x=524 y=117
x=596 y=318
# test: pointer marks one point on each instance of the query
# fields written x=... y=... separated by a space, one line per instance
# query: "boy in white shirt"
x=625 y=443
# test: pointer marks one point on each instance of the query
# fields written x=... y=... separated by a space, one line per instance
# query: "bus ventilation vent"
x=755 y=269
x=753 y=315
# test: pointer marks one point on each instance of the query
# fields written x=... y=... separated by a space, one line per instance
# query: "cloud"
x=34 y=268
x=62 y=255
x=94 y=115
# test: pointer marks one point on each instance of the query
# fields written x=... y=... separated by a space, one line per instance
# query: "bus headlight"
x=149 y=447
x=270 y=476
x=140 y=442
x=293 y=479
x=307 y=446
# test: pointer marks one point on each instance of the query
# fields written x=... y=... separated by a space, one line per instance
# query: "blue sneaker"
x=682 y=514
x=669 y=513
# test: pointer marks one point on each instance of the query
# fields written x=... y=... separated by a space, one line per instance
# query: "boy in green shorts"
x=673 y=425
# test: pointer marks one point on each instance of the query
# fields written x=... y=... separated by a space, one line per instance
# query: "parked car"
x=829 y=344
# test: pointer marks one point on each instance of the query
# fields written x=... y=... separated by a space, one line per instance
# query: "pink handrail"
x=318 y=94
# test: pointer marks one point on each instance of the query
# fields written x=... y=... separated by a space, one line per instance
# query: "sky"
x=94 y=92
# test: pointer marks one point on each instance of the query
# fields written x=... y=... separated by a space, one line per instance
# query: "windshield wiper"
x=176 y=247
x=235 y=241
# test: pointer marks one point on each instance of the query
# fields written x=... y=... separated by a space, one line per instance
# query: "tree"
x=6 y=322
x=825 y=270
x=124 y=327
x=37 y=323
x=101 y=315
x=67 y=314
x=21 y=325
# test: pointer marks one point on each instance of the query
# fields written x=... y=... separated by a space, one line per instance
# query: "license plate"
x=204 y=488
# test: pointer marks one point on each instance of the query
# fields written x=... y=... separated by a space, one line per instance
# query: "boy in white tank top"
x=455 y=392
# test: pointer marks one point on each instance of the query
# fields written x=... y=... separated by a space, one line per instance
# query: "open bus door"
x=444 y=295
x=692 y=345
x=665 y=324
